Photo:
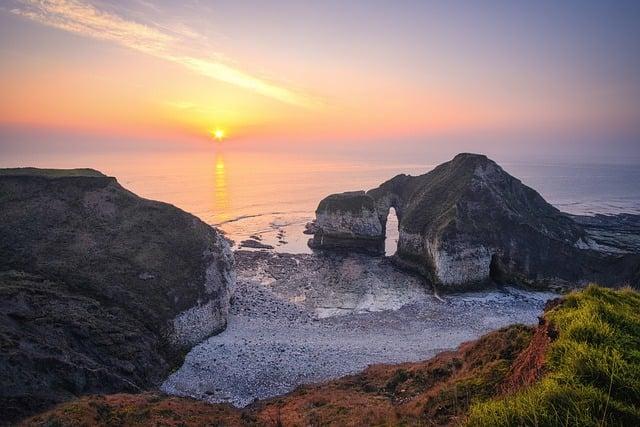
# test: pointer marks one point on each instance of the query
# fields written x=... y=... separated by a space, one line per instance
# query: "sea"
x=271 y=196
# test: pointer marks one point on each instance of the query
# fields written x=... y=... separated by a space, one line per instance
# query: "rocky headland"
x=104 y=292
x=468 y=222
x=101 y=291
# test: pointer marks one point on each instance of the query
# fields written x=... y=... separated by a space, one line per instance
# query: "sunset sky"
x=526 y=78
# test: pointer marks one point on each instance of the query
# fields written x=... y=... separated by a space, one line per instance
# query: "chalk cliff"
x=348 y=220
x=468 y=221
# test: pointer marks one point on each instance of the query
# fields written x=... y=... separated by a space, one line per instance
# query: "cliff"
x=468 y=222
x=100 y=290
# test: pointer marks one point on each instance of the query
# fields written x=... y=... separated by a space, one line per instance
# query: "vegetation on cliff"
x=580 y=366
x=353 y=202
x=51 y=173
x=435 y=392
x=592 y=369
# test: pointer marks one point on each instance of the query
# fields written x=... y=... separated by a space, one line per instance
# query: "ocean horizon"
x=273 y=195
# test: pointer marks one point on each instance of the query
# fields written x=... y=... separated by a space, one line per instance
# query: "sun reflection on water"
x=222 y=202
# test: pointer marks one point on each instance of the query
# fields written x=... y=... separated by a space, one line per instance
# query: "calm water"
x=273 y=196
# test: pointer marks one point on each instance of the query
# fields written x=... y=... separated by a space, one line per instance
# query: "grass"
x=593 y=368
x=353 y=202
x=50 y=173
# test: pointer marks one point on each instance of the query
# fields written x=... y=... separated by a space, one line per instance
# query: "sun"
x=218 y=134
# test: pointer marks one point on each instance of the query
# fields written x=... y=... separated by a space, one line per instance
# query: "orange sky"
x=360 y=74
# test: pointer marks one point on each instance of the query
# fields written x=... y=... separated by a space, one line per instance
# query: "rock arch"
x=467 y=222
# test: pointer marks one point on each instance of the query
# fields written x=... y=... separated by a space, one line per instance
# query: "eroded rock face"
x=100 y=290
x=468 y=222
x=348 y=220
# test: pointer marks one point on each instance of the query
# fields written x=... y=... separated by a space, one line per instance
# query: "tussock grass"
x=593 y=368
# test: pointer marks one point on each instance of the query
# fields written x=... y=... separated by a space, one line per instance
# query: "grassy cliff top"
x=592 y=369
x=350 y=201
x=50 y=173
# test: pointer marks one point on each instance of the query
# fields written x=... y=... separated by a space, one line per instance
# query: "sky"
x=541 y=79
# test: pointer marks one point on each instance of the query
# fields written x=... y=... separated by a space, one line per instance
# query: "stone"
x=310 y=228
x=254 y=244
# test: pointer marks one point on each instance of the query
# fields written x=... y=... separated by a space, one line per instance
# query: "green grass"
x=351 y=201
x=50 y=173
x=593 y=368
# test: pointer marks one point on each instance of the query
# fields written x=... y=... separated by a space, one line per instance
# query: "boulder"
x=100 y=290
x=468 y=222
x=254 y=244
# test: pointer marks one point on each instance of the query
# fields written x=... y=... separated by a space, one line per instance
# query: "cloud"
x=225 y=73
x=85 y=19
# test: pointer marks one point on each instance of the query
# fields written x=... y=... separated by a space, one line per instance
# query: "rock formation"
x=100 y=290
x=348 y=220
x=467 y=222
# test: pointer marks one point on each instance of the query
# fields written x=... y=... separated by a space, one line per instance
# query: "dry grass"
x=435 y=392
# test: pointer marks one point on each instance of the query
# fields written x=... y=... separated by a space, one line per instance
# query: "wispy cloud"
x=85 y=19
x=81 y=17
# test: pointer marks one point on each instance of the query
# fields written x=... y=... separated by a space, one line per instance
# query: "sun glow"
x=218 y=134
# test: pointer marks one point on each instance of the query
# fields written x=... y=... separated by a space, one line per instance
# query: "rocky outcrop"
x=254 y=244
x=468 y=222
x=610 y=233
x=348 y=220
x=100 y=290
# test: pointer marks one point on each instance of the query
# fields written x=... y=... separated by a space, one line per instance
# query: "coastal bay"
x=299 y=319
